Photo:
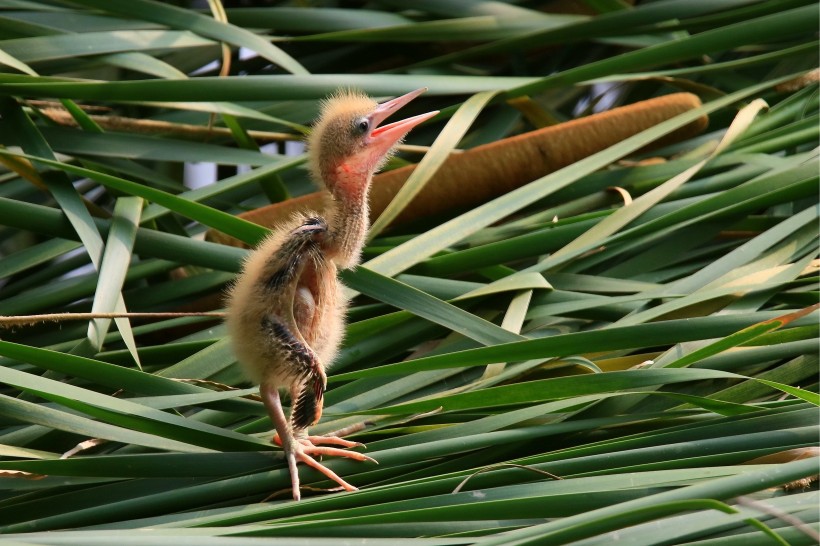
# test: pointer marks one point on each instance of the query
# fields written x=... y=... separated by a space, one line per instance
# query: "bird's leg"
x=270 y=396
x=299 y=448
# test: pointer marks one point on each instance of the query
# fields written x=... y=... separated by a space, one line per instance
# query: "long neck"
x=348 y=217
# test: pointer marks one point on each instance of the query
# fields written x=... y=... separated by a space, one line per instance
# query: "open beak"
x=386 y=136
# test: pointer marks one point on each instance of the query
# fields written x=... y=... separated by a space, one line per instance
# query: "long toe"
x=332 y=440
x=313 y=463
x=336 y=452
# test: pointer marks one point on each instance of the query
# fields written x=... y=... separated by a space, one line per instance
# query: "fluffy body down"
x=287 y=308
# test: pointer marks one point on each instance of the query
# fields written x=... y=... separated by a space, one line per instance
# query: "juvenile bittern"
x=286 y=310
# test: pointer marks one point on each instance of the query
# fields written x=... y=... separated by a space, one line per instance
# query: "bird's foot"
x=305 y=449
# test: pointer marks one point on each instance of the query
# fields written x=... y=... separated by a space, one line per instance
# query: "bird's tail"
x=307 y=407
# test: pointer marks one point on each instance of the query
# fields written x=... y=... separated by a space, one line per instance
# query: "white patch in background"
x=294 y=147
x=210 y=67
x=198 y=175
x=607 y=95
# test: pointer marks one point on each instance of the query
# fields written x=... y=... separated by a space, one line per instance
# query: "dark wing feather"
x=305 y=408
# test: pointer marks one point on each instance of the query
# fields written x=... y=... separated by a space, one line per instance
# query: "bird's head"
x=347 y=144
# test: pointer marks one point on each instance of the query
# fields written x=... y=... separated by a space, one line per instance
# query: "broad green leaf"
x=113 y=267
x=404 y=297
x=29 y=412
x=128 y=414
x=61 y=46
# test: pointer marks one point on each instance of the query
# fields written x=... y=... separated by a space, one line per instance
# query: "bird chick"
x=286 y=310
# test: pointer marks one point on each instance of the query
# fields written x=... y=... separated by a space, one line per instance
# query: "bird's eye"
x=362 y=125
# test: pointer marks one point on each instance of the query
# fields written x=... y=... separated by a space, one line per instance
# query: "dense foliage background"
x=659 y=357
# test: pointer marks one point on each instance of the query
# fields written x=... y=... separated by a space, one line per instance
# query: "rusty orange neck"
x=348 y=216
